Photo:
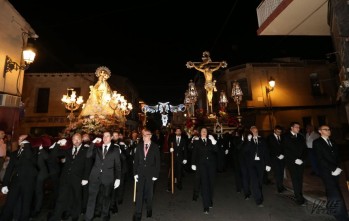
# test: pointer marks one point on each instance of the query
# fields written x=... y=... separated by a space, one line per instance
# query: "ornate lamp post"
x=268 y=89
x=223 y=100
x=71 y=103
x=236 y=94
x=191 y=96
x=118 y=102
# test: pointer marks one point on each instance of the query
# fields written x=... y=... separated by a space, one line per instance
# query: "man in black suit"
x=19 y=181
x=204 y=160
x=295 y=150
x=104 y=177
x=327 y=156
x=75 y=173
x=146 y=170
x=257 y=157
x=179 y=148
x=277 y=156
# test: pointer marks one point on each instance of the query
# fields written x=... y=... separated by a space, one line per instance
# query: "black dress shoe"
x=206 y=210
x=149 y=213
x=115 y=210
x=195 y=197
x=137 y=217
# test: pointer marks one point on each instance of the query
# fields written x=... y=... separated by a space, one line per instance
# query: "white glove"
x=184 y=161
x=62 y=142
x=226 y=152
x=122 y=143
x=4 y=190
x=212 y=139
x=281 y=157
x=40 y=148
x=97 y=140
x=171 y=149
x=154 y=178
x=52 y=146
x=120 y=150
x=299 y=162
x=336 y=172
x=196 y=138
x=84 y=182
x=267 y=168
x=193 y=167
x=116 y=183
x=136 y=178
x=249 y=137
x=63 y=160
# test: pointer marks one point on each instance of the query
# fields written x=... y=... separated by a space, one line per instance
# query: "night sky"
x=150 y=42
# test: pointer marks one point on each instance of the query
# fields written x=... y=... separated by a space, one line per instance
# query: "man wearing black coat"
x=75 y=173
x=277 y=156
x=257 y=157
x=19 y=181
x=204 y=159
x=104 y=177
x=179 y=149
x=146 y=171
x=295 y=150
x=327 y=156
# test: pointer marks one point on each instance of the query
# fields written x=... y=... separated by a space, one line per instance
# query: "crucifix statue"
x=207 y=67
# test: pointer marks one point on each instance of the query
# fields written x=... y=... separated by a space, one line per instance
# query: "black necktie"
x=146 y=147
x=255 y=140
x=279 y=139
x=204 y=141
x=19 y=152
x=75 y=152
x=329 y=142
x=105 y=151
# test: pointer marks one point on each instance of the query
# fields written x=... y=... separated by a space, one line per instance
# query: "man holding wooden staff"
x=146 y=171
x=178 y=157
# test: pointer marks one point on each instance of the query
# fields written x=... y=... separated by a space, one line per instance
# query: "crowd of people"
x=87 y=175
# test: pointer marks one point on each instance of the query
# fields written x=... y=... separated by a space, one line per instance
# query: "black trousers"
x=69 y=199
x=207 y=174
x=20 y=193
x=178 y=170
x=237 y=172
x=278 y=167
x=245 y=177
x=335 y=201
x=145 y=191
x=256 y=171
x=39 y=194
x=296 y=172
x=104 y=194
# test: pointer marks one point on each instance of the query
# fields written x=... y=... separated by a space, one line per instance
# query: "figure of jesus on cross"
x=207 y=67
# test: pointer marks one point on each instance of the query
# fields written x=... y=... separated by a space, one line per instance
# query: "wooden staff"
x=172 y=171
x=134 y=191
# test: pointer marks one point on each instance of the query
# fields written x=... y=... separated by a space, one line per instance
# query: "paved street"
x=228 y=205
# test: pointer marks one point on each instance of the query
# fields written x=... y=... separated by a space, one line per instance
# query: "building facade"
x=305 y=91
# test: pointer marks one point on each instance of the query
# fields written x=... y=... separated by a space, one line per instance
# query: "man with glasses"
x=327 y=156
x=295 y=150
x=146 y=171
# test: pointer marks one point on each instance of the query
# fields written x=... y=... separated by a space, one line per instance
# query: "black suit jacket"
x=42 y=165
x=110 y=166
x=202 y=151
x=23 y=168
x=295 y=148
x=328 y=157
x=275 y=147
x=148 y=166
x=180 y=151
x=252 y=150
x=78 y=168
